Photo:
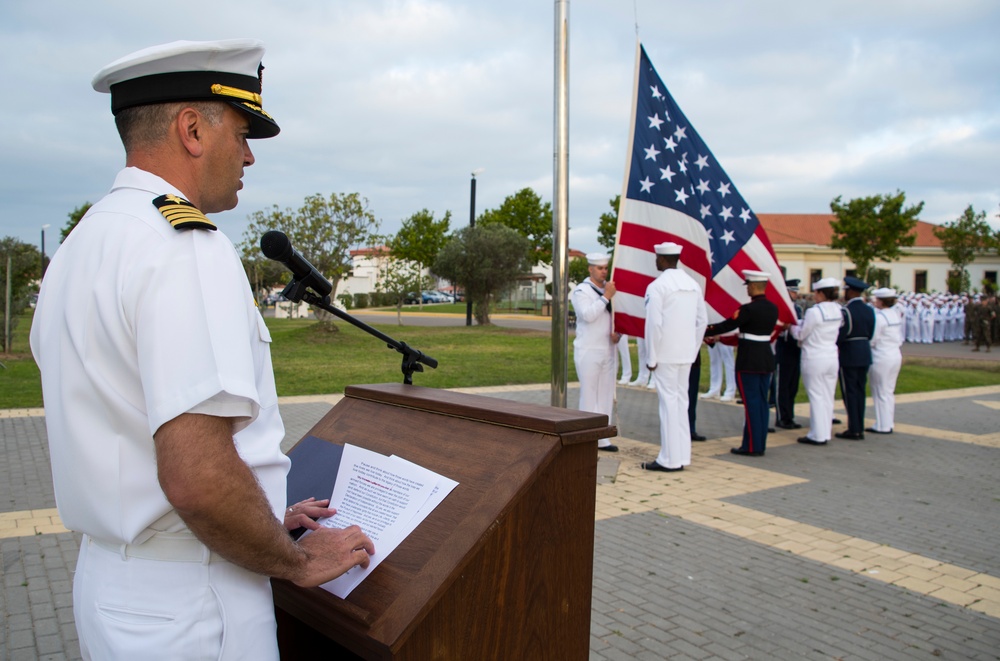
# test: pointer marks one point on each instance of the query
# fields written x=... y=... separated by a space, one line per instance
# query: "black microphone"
x=275 y=245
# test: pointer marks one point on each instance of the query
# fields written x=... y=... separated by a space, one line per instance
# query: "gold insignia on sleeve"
x=182 y=214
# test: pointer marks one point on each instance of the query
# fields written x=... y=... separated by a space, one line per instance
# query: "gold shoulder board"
x=182 y=214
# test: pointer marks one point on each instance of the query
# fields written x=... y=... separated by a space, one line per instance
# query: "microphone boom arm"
x=413 y=359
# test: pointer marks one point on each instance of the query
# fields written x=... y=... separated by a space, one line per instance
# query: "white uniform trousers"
x=927 y=330
x=721 y=361
x=675 y=429
x=625 y=359
x=643 y=378
x=882 y=377
x=134 y=608
x=595 y=369
x=819 y=376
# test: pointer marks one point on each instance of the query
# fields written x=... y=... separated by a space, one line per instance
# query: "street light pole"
x=472 y=223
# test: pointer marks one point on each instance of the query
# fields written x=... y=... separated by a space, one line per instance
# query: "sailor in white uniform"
x=817 y=335
x=594 y=348
x=886 y=359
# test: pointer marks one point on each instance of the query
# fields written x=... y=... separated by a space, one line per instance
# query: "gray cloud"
x=400 y=100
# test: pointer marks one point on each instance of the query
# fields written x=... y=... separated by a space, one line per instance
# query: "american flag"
x=676 y=191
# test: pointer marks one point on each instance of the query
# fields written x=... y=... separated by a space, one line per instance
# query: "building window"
x=851 y=273
x=881 y=277
x=814 y=275
x=991 y=276
x=920 y=281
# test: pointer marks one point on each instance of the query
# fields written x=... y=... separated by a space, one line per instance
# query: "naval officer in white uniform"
x=161 y=408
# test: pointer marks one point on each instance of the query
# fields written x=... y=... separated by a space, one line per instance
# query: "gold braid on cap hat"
x=237 y=93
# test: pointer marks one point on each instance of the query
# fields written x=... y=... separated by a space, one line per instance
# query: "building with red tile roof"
x=801 y=242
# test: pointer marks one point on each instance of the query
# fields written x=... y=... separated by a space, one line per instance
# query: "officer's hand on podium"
x=304 y=513
x=332 y=551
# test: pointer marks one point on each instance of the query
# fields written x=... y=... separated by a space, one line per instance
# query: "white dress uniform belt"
x=163 y=546
x=755 y=338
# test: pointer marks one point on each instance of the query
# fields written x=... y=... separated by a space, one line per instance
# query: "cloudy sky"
x=400 y=100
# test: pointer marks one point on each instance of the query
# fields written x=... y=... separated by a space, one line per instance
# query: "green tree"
x=524 y=212
x=323 y=231
x=419 y=240
x=874 y=228
x=485 y=260
x=962 y=239
x=578 y=270
x=396 y=278
x=25 y=265
x=74 y=219
x=607 y=228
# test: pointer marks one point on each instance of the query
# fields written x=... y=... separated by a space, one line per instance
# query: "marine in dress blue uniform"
x=754 y=359
x=855 y=353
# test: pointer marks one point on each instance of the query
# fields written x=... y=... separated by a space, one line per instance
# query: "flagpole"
x=560 y=209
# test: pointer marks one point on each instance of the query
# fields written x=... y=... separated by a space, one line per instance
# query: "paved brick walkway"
x=884 y=549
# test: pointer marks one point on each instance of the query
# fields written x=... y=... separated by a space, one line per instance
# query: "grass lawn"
x=309 y=361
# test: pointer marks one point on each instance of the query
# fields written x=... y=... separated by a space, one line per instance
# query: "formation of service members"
x=850 y=343
x=966 y=318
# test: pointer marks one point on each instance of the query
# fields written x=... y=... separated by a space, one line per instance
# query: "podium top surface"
x=520 y=415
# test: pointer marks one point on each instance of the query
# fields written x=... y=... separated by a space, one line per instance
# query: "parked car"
x=448 y=298
x=427 y=296
x=274 y=298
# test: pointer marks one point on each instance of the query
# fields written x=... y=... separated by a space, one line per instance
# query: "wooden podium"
x=502 y=569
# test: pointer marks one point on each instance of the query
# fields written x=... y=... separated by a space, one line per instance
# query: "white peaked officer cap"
x=884 y=292
x=668 y=248
x=597 y=259
x=229 y=70
x=826 y=283
x=754 y=276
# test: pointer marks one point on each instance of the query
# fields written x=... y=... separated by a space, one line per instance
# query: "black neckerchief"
x=599 y=293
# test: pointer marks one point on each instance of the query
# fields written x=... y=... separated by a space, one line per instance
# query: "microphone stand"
x=412 y=358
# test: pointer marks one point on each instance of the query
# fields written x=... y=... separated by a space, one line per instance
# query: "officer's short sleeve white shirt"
x=136 y=324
